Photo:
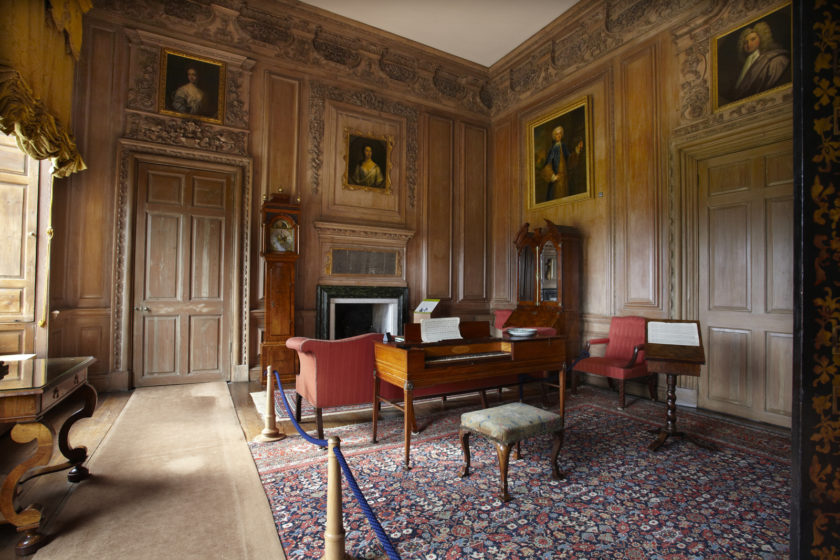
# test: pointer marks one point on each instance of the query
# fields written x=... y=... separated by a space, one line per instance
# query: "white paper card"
x=445 y=328
x=427 y=306
x=679 y=334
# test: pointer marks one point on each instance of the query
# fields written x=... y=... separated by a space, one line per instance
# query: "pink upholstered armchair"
x=334 y=373
x=624 y=357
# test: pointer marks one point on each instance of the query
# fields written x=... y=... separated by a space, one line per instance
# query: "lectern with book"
x=674 y=347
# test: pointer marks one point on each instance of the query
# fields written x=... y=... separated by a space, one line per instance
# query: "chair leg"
x=483 y=394
x=652 y=382
x=298 y=400
x=621 y=394
x=555 y=451
x=574 y=381
x=503 y=451
x=464 y=436
x=319 y=423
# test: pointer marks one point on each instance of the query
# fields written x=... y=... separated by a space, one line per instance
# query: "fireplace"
x=344 y=311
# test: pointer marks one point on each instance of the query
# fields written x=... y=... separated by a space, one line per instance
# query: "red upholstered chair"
x=624 y=357
x=335 y=373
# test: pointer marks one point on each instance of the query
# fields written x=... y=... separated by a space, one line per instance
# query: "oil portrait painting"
x=752 y=59
x=368 y=161
x=560 y=152
x=191 y=87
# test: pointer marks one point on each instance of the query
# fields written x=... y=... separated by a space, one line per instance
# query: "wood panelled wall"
x=297 y=76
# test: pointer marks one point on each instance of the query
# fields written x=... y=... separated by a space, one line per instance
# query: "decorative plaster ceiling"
x=481 y=31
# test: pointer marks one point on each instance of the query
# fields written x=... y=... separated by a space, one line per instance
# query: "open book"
x=445 y=328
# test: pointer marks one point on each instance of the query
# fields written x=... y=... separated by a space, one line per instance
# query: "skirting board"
x=686 y=397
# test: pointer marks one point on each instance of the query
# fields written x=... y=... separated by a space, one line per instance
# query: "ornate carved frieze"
x=398 y=67
x=336 y=49
x=236 y=98
x=271 y=31
x=187 y=10
x=310 y=40
x=185 y=132
x=145 y=68
x=637 y=15
x=448 y=84
x=368 y=100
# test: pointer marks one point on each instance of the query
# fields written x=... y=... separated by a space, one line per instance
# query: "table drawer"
x=54 y=394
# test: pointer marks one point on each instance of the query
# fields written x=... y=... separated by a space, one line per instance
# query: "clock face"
x=281 y=236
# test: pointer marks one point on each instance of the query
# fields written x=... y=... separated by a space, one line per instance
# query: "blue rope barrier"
x=371 y=517
x=307 y=437
x=348 y=475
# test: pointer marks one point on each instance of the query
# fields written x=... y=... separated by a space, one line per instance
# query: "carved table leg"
x=503 y=450
x=77 y=455
x=464 y=436
x=28 y=520
x=408 y=391
x=375 y=407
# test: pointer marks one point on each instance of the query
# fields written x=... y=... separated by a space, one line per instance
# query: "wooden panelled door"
x=746 y=283
x=19 y=176
x=182 y=283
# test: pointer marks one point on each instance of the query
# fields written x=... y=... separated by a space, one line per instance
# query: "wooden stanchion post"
x=334 y=534
x=270 y=431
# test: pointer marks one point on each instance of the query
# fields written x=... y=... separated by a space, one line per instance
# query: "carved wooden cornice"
x=37 y=132
x=344 y=232
x=295 y=34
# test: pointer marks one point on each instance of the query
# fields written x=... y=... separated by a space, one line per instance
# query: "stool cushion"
x=511 y=422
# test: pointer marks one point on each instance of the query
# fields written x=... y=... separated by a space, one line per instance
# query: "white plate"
x=521 y=332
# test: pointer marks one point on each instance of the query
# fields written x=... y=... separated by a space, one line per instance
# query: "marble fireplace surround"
x=362 y=264
x=395 y=299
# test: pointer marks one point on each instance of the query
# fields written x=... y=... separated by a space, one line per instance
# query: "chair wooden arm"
x=636 y=349
x=595 y=341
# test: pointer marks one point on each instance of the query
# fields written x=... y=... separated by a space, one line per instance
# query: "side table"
x=25 y=399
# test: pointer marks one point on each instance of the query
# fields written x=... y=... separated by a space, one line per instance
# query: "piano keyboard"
x=467 y=357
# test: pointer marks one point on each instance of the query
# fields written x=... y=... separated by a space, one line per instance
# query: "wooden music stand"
x=674 y=347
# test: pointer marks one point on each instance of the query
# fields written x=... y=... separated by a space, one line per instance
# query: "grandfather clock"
x=280 y=250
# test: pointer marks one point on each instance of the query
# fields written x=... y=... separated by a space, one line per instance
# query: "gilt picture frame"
x=191 y=87
x=752 y=59
x=367 y=161
x=559 y=155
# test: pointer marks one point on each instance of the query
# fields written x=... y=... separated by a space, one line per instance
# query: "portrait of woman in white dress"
x=192 y=87
x=367 y=162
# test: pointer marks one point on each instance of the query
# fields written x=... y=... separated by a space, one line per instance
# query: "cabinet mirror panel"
x=548 y=272
x=527 y=274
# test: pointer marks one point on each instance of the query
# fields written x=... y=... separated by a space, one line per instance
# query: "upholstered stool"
x=508 y=424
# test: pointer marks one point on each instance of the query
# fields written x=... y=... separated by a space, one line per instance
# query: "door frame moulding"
x=758 y=130
x=129 y=152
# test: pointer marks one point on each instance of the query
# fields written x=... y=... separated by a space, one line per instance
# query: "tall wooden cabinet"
x=548 y=282
x=280 y=222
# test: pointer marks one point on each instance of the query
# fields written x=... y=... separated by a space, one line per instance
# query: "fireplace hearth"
x=344 y=311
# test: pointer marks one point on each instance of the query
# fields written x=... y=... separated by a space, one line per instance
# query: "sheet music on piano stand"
x=445 y=328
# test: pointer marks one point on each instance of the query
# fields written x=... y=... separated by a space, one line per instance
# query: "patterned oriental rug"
x=619 y=500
